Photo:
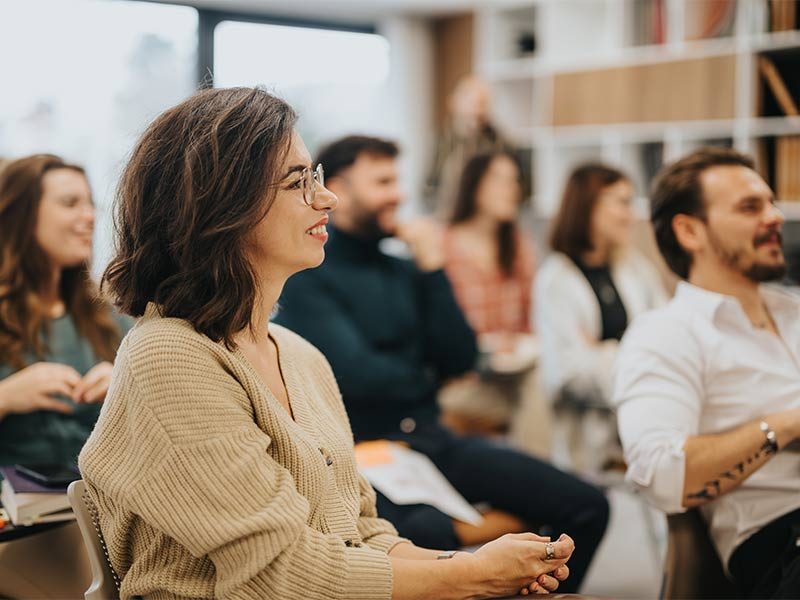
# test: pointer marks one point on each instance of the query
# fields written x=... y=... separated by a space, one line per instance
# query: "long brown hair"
x=570 y=233
x=26 y=272
x=200 y=178
x=466 y=205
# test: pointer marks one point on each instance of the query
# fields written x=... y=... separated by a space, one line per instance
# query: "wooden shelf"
x=593 y=38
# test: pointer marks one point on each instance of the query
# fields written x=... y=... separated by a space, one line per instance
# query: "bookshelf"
x=661 y=77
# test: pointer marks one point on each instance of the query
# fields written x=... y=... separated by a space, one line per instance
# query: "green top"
x=46 y=436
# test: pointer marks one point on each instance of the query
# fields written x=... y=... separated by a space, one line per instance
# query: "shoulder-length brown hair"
x=466 y=205
x=200 y=178
x=570 y=233
x=26 y=272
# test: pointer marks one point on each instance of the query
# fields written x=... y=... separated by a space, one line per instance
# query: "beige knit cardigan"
x=207 y=488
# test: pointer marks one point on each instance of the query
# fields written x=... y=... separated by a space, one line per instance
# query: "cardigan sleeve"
x=216 y=490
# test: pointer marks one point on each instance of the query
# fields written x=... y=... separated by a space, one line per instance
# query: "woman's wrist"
x=465 y=577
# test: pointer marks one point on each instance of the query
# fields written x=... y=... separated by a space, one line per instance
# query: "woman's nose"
x=325 y=199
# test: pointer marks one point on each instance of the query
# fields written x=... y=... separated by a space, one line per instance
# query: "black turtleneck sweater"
x=391 y=332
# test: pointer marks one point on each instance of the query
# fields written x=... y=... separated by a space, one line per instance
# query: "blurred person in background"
x=707 y=387
x=587 y=291
x=394 y=333
x=58 y=340
x=490 y=263
x=468 y=131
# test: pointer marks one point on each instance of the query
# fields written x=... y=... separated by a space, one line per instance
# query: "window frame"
x=208 y=19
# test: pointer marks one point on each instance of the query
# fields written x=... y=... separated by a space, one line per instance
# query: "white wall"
x=410 y=96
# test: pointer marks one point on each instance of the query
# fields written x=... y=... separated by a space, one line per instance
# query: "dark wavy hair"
x=26 y=271
x=201 y=177
x=570 y=232
x=466 y=205
x=677 y=189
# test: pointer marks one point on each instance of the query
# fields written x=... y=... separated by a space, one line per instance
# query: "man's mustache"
x=773 y=235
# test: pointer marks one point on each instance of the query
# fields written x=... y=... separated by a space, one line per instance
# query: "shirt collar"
x=709 y=304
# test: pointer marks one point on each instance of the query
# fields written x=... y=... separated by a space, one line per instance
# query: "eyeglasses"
x=309 y=180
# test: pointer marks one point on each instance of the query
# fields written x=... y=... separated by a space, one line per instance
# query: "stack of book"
x=28 y=502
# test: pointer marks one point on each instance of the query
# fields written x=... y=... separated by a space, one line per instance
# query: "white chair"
x=105 y=583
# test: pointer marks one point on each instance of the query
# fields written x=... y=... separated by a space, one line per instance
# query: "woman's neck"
x=269 y=291
x=481 y=226
x=598 y=256
x=51 y=294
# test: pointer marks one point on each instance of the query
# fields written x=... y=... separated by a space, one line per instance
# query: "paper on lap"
x=405 y=476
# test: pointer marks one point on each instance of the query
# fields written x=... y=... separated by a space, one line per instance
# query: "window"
x=335 y=79
x=86 y=78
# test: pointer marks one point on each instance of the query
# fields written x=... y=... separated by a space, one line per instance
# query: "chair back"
x=105 y=583
x=692 y=568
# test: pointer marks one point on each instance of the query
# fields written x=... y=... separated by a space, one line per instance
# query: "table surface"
x=14 y=532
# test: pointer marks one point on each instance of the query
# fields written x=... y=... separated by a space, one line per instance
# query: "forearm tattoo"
x=712 y=489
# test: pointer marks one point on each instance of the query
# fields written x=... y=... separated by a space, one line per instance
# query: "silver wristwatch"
x=772 y=439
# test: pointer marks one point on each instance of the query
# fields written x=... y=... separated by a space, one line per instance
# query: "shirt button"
x=328 y=459
x=408 y=425
x=348 y=543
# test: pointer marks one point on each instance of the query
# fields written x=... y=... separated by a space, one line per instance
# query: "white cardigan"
x=567 y=318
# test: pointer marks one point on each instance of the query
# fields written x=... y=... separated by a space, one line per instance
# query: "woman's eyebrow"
x=295 y=169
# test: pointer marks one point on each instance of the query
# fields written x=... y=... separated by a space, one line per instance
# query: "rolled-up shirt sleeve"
x=658 y=395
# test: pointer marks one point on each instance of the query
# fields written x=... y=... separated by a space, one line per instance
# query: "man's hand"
x=425 y=240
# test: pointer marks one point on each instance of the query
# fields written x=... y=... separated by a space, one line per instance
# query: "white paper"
x=411 y=478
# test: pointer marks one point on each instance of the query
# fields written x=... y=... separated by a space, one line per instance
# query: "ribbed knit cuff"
x=384 y=542
x=369 y=575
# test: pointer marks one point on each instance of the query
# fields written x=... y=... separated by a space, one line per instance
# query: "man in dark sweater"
x=393 y=334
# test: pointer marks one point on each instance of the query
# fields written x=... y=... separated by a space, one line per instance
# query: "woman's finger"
x=529 y=537
x=561 y=549
x=97 y=392
x=547 y=582
x=47 y=403
x=561 y=573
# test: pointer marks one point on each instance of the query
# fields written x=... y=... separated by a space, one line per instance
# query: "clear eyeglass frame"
x=311 y=179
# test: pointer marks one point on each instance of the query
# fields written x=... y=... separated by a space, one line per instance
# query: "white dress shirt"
x=567 y=314
x=698 y=366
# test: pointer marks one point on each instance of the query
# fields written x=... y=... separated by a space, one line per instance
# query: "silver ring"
x=550 y=552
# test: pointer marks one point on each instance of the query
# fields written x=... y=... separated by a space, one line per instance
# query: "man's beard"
x=367 y=223
x=757 y=272
x=368 y=227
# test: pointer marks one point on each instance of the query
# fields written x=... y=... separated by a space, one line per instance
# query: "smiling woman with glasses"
x=222 y=464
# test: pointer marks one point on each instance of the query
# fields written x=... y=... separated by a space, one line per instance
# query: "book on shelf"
x=29 y=503
x=704 y=20
x=787 y=167
x=783 y=15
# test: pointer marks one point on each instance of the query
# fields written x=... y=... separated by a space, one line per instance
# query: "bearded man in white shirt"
x=708 y=387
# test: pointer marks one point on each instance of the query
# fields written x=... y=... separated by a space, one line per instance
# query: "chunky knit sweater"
x=207 y=488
